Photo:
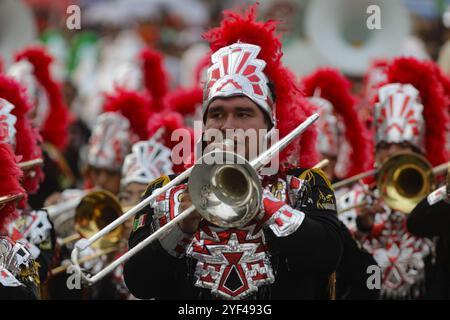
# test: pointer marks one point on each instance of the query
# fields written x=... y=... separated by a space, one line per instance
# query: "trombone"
x=403 y=181
x=95 y=210
x=227 y=194
x=68 y=205
x=8 y=198
x=30 y=164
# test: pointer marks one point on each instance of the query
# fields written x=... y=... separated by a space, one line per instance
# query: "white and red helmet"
x=341 y=132
x=110 y=142
x=398 y=115
x=147 y=161
x=411 y=108
x=235 y=71
x=328 y=130
x=246 y=61
x=7 y=122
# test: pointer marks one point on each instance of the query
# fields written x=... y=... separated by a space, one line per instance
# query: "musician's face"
x=131 y=194
x=104 y=179
x=386 y=150
x=233 y=113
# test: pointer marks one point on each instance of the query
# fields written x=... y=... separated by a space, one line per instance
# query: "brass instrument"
x=321 y=164
x=24 y=166
x=353 y=179
x=30 y=164
x=8 y=198
x=224 y=188
x=339 y=34
x=96 y=210
x=403 y=181
x=71 y=199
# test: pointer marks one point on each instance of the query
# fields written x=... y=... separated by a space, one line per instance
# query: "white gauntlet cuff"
x=176 y=242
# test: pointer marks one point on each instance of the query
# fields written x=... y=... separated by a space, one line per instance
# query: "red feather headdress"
x=188 y=100
x=373 y=77
x=171 y=121
x=132 y=105
x=201 y=68
x=291 y=107
x=444 y=80
x=185 y=101
x=335 y=88
x=423 y=77
x=55 y=128
x=156 y=79
x=27 y=137
x=10 y=176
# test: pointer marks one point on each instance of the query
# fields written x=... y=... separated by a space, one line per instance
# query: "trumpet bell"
x=404 y=180
x=96 y=210
x=225 y=189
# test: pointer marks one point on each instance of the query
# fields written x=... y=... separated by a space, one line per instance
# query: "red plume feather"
x=132 y=105
x=27 y=137
x=291 y=107
x=155 y=76
x=10 y=176
x=185 y=101
x=335 y=88
x=201 y=67
x=423 y=77
x=444 y=80
x=55 y=128
x=377 y=64
x=172 y=121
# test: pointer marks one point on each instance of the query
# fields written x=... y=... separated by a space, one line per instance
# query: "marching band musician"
x=342 y=137
x=430 y=218
x=147 y=161
x=19 y=275
x=408 y=102
x=344 y=140
x=49 y=114
x=108 y=145
x=294 y=244
x=31 y=228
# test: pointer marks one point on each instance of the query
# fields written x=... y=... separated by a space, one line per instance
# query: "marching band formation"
x=371 y=222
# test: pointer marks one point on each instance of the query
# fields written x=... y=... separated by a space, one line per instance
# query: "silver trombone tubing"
x=259 y=162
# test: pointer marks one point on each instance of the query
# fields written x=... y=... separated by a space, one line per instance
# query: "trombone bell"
x=96 y=210
x=226 y=192
x=404 y=180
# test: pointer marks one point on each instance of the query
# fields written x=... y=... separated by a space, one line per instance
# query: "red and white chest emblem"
x=232 y=263
x=400 y=256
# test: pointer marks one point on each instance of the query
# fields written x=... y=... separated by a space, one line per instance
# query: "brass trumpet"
x=215 y=194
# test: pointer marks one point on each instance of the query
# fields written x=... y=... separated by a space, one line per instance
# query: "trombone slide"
x=257 y=163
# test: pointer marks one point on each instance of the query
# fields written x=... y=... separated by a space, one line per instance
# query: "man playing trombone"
x=291 y=247
x=410 y=101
